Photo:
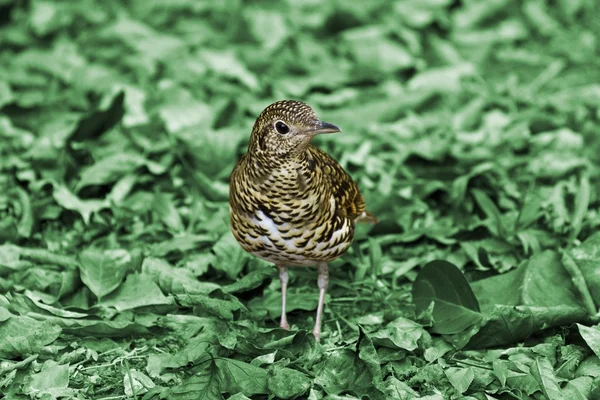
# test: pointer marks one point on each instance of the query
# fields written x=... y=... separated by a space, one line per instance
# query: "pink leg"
x=283 y=278
x=322 y=281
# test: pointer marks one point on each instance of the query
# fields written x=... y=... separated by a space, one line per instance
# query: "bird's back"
x=350 y=202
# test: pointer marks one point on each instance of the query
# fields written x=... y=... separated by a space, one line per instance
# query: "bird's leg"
x=283 y=278
x=322 y=281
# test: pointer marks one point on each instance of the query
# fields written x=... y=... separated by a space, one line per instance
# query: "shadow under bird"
x=291 y=203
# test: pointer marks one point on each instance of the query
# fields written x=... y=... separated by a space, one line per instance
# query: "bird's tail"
x=367 y=218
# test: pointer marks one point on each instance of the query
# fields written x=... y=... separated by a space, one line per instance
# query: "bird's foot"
x=284 y=324
x=317 y=335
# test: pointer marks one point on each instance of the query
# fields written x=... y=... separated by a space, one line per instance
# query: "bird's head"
x=285 y=129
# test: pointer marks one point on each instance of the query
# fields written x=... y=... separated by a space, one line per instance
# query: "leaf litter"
x=471 y=127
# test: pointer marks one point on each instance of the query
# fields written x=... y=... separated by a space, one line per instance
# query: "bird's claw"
x=317 y=336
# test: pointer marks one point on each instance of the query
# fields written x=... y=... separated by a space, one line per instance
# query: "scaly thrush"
x=290 y=203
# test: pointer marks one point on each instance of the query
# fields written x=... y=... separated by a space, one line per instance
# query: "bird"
x=290 y=203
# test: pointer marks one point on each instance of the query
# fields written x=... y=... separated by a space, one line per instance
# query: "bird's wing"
x=349 y=200
x=236 y=182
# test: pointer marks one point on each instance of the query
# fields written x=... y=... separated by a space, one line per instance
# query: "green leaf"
x=227 y=64
x=367 y=353
x=371 y=48
x=67 y=200
x=571 y=357
x=239 y=396
x=6 y=94
x=396 y=389
x=231 y=258
x=104 y=328
x=31 y=302
x=587 y=257
x=143 y=39
x=135 y=112
x=297 y=344
x=59 y=61
x=591 y=335
x=205 y=385
x=556 y=163
x=101 y=120
x=546 y=270
x=343 y=371
x=213 y=190
x=544 y=373
x=279 y=28
x=460 y=185
x=578 y=389
x=510 y=324
x=579 y=282
x=102 y=271
x=455 y=306
x=251 y=280
x=138 y=290
x=23 y=336
x=446 y=79
x=4 y=314
x=297 y=299
x=401 y=333
x=582 y=202
x=492 y=212
x=287 y=383
x=184 y=112
x=521 y=381
x=211 y=153
x=25 y=226
x=529 y=212
x=10 y=258
x=354 y=372
x=136 y=382
x=528 y=285
x=500 y=368
x=219 y=307
x=52 y=380
x=110 y=169
x=175 y=280
x=193 y=357
x=164 y=207
x=590 y=366
x=436 y=348
x=238 y=376
x=184 y=242
x=460 y=378
x=265 y=359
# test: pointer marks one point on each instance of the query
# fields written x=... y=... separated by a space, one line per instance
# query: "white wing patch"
x=274 y=235
x=289 y=253
x=332 y=205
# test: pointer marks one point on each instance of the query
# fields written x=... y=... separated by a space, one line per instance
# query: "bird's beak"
x=323 y=127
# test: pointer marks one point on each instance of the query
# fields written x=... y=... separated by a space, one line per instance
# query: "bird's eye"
x=281 y=127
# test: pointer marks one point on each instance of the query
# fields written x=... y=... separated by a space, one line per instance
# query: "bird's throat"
x=292 y=168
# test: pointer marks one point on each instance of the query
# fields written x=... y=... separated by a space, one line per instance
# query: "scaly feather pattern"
x=290 y=202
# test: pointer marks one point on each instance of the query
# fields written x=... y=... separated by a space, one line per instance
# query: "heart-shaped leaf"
x=455 y=306
x=102 y=271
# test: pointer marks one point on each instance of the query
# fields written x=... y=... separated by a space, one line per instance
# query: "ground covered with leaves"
x=471 y=127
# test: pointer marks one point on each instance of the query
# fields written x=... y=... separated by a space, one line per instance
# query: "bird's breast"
x=299 y=232
x=289 y=216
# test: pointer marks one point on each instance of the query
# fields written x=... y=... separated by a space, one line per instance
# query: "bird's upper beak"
x=323 y=127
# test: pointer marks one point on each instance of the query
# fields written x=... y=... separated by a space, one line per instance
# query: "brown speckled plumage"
x=290 y=202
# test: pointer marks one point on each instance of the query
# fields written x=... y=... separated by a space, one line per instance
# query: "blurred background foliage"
x=137 y=112
x=124 y=121
x=471 y=126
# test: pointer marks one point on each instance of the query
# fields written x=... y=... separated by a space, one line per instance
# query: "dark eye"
x=281 y=127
